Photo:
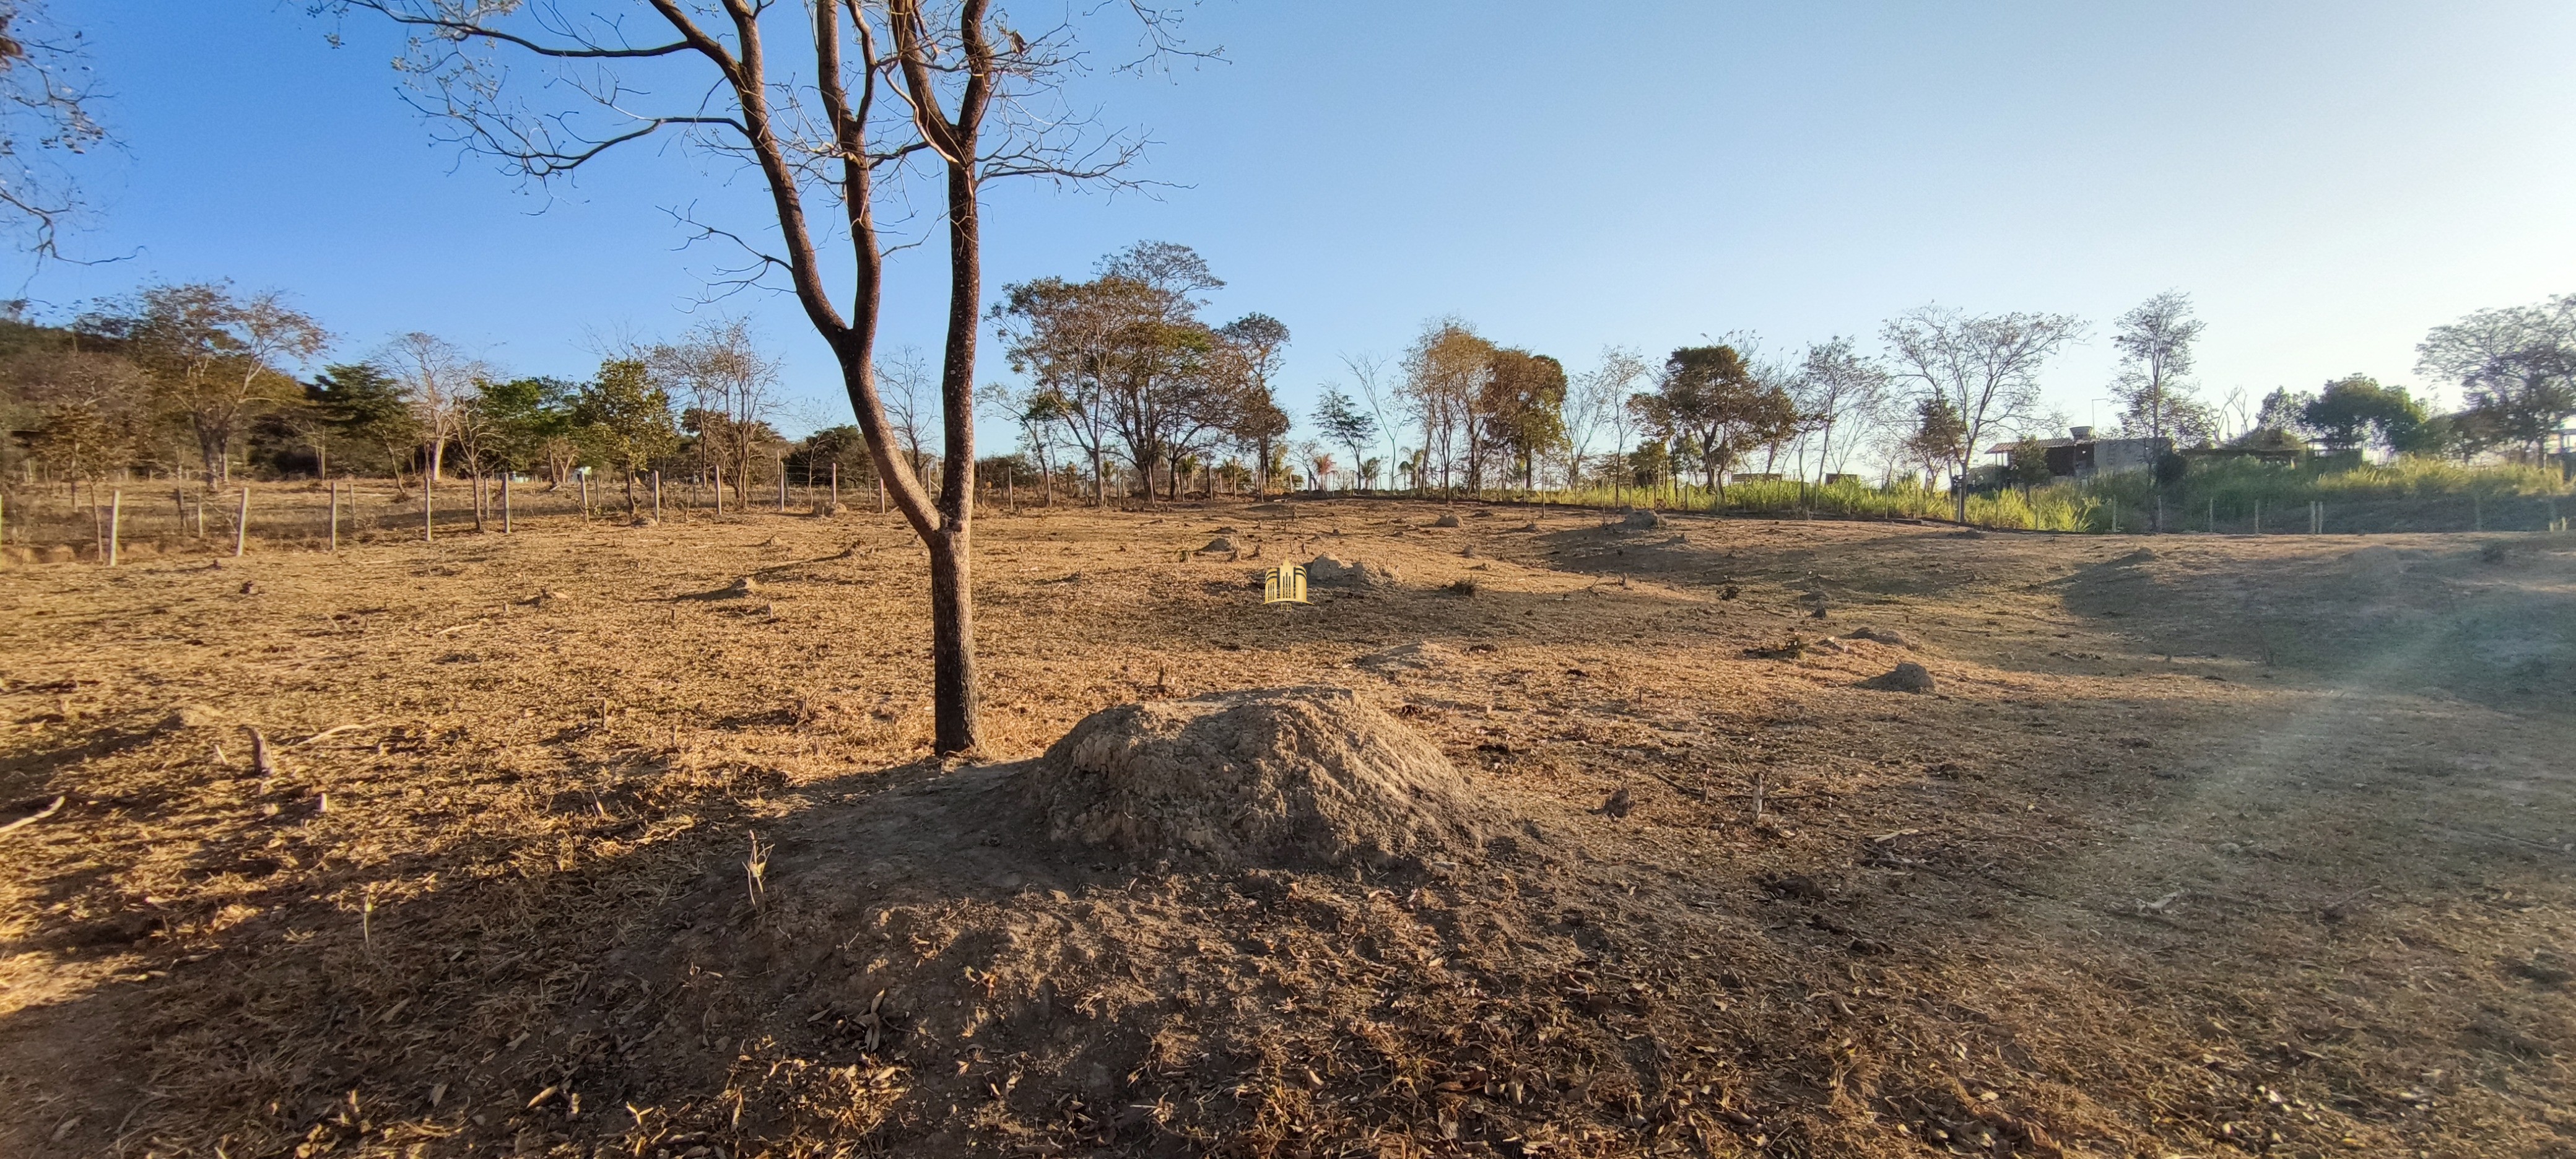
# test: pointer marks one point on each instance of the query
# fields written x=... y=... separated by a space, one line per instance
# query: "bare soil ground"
x=569 y=844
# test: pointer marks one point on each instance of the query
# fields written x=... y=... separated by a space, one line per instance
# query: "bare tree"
x=2155 y=341
x=1444 y=372
x=1600 y=406
x=905 y=384
x=1985 y=367
x=1842 y=391
x=91 y=410
x=1259 y=344
x=1367 y=371
x=437 y=381
x=732 y=387
x=952 y=92
x=44 y=119
x=215 y=358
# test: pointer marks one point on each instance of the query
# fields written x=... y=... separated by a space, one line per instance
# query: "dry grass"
x=2230 y=846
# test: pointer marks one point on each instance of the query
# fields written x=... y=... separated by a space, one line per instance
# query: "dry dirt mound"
x=1643 y=520
x=1335 y=572
x=1905 y=677
x=1422 y=657
x=1294 y=777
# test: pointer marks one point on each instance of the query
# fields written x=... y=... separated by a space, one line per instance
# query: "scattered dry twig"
x=36 y=816
x=328 y=733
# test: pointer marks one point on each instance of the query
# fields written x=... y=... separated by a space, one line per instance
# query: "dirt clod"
x=1906 y=677
x=1445 y=521
x=1643 y=520
x=1278 y=778
x=1888 y=636
x=1335 y=572
x=1422 y=657
x=191 y=716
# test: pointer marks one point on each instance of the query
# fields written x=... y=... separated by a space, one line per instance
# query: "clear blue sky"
x=2328 y=179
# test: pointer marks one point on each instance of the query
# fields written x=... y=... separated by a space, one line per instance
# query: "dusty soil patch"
x=2227 y=851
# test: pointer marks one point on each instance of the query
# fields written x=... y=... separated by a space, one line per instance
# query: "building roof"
x=2044 y=444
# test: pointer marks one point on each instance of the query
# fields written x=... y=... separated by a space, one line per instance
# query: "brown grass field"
x=2201 y=846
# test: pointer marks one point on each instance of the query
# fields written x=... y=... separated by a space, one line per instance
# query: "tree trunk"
x=955 y=692
x=217 y=452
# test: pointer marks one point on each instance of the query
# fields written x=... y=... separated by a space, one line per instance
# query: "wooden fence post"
x=335 y=513
x=505 y=502
x=115 y=519
x=836 y=488
x=782 y=482
x=657 y=496
x=428 y=511
x=241 y=524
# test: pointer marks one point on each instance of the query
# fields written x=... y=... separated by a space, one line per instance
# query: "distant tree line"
x=1123 y=370
x=197 y=382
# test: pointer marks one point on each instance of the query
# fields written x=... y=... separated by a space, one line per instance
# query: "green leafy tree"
x=623 y=418
x=1523 y=408
x=1343 y=423
x=2028 y=466
x=1940 y=437
x=1712 y=398
x=1649 y=463
x=529 y=423
x=2516 y=365
x=2355 y=411
x=363 y=406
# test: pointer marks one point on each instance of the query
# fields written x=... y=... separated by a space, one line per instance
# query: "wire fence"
x=144 y=519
